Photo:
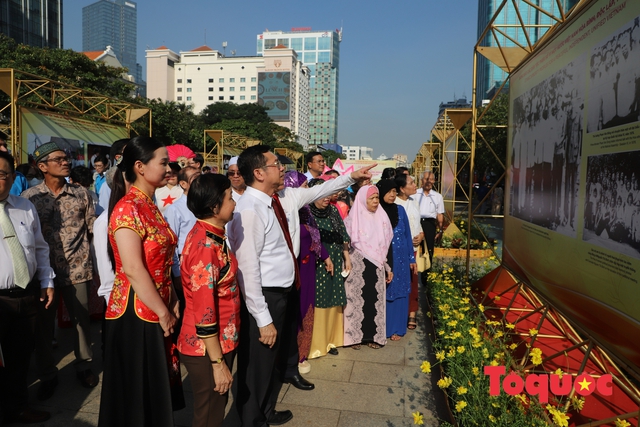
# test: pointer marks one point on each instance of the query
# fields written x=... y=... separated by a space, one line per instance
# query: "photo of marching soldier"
x=546 y=150
x=614 y=96
x=612 y=202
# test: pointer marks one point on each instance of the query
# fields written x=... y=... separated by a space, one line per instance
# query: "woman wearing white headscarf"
x=371 y=233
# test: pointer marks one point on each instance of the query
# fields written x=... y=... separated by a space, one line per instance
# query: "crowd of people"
x=270 y=268
x=612 y=205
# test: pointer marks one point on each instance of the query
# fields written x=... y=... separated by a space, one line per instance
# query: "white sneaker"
x=304 y=367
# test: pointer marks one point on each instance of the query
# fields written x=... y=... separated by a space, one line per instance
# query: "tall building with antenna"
x=320 y=52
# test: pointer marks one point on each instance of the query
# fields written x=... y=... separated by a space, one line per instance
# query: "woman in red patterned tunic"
x=142 y=309
x=209 y=334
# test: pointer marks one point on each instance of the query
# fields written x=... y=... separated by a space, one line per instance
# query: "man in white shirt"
x=22 y=282
x=266 y=274
x=315 y=165
x=431 y=211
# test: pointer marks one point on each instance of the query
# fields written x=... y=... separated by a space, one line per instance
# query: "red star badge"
x=168 y=200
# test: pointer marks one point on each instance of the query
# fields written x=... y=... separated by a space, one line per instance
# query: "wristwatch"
x=217 y=361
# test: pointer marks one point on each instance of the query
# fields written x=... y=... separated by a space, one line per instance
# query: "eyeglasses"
x=59 y=160
x=3 y=176
x=233 y=173
x=276 y=164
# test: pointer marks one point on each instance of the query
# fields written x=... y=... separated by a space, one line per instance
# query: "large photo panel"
x=572 y=208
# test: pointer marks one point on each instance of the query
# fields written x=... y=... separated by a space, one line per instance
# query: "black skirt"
x=141 y=383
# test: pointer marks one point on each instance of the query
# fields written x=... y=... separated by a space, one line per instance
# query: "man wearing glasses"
x=237 y=181
x=67 y=215
x=315 y=165
x=266 y=252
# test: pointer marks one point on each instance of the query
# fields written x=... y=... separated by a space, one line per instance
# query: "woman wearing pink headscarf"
x=371 y=233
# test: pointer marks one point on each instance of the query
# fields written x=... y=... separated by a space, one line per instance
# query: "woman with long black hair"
x=140 y=377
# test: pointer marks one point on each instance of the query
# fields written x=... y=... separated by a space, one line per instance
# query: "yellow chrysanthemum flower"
x=425 y=367
x=418 y=418
x=481 y=307
x=492 y=418
x=496 y=298
x=510 y=326
x=440 y=355
x=533 y=332
x=559 y=373
x=475 y=371
x=577 y=403
x=462 y=390
x=444 y=382
x=513 y=346
x=536 y=356
x=461 y=405
x=622 y=423
x=460 y=349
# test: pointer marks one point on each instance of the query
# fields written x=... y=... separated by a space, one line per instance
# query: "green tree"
x=65 y=66
x=173 y=123
x=330 y=157
x=488 y=139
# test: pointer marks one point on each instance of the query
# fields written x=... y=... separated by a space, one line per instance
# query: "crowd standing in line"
x=200 y=268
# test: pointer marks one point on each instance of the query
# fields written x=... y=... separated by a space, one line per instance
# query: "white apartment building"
x=354 y=152
x=204 y=76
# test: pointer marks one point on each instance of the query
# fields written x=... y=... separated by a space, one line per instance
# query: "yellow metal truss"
x=30 y=90
x=225 y=142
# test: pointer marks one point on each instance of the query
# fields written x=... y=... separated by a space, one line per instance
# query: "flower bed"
x=466 y=342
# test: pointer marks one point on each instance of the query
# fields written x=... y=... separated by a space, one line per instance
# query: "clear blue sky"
x=398 y=60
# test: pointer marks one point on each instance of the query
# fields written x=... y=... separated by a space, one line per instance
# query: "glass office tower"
x=113 y=23
x=490 y=76
x=32 y=22
x=320 y=51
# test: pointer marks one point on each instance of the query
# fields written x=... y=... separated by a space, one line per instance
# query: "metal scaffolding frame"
x=590 y=349
x=509 y=58
x=30 y=90
x=224 y=140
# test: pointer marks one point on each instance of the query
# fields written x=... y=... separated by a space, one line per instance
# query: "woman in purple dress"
x=311 y=252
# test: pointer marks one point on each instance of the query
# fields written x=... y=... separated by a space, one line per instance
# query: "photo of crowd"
x=546 y=150
x=612 y=202
x=614 y=94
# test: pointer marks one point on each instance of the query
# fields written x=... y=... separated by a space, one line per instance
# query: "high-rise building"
x=34 y=23
x=113 y=23
x=277 y=80
x=354 y=152
x=320 y=52
x=489 y=75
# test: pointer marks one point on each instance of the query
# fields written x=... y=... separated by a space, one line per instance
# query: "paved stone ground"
x=355 y=388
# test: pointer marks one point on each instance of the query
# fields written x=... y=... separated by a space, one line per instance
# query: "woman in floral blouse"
x=139 y=377
x=209 y=334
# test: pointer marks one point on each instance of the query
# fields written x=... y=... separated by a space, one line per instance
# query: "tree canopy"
x=172 y=122
x=66 y=66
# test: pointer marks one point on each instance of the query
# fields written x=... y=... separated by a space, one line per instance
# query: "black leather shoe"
x=87 y=378
x=300 y=383
x=333 y=351
x=279 y=417
x=47 y=388
x=28 y=416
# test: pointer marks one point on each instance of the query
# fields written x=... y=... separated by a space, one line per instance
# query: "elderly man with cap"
x=67 y=215
x=237 y=181
x=25 y=278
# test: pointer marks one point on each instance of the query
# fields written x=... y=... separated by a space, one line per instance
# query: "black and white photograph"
x=546 y=150
x=614 y=94
x=612 y=202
